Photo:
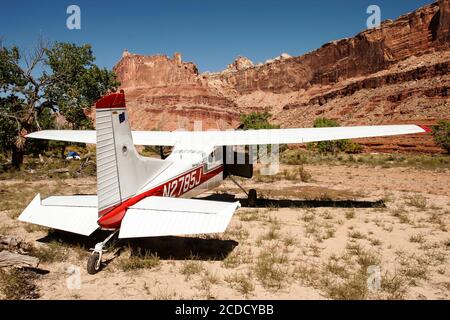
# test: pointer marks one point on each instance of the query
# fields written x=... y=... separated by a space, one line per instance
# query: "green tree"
x=61 y=77
x=441 y=134
x=334 y=145
x=257 y=120
x=76 y=82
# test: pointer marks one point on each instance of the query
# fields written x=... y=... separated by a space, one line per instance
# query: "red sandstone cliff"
x=396 y=73
x=167 y=94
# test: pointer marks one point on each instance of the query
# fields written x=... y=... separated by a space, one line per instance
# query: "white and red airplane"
x=148 y=197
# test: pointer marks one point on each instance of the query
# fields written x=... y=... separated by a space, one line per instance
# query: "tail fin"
x=121 y=171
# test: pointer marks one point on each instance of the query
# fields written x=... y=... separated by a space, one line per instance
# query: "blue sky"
x=210 y=33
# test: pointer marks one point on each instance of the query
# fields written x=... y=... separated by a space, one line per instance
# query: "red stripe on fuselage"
x=112 y=217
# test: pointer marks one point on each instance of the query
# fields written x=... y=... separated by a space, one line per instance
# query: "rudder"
x=121 y=171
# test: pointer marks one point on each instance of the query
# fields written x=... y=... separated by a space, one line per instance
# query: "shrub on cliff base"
x=257 y=120
x=335 y=145
x=441 y=134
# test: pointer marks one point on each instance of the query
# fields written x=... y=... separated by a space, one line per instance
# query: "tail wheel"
x=252 y=196
x=93 y=264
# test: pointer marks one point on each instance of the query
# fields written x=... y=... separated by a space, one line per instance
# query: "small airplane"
x=148 y=197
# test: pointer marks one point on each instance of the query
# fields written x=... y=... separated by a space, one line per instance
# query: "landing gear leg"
x=251 y=195
x=95 y=259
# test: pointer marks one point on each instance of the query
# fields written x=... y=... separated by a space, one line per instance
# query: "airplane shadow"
x=182 y=248
x=190 y=248
x=297 y=203
x=167 y=248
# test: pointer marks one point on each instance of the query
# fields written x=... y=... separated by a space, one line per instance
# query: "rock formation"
x=167 y=94
x=396 y=73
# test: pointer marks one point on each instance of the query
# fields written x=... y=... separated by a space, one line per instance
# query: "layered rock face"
x=397 y=73
x=169 y=94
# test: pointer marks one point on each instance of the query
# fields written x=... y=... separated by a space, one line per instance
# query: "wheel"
x=252 y=198
x=93 y=264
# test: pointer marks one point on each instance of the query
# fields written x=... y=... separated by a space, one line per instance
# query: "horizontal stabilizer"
x=77 y=214
x=164 y=216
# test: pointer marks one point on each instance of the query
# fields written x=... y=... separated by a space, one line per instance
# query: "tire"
x=252 y=196
x=92 y=263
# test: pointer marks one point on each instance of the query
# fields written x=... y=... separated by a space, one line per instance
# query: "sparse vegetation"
x=191 y=268
x=139 y=260
x=241 y=282
x=441 y=134
x=269 y=268
x=417 y=238
x=237 y=231
x=257 y=120
x=333 y=146
x=413 y=266
x=299 y=173
x=237 y=258
x=356 y=234
x=51 y=252
x=248 y=215
x=418 y=201
x=16 y=284
x=421 y=161
x=401 y=213
x=350 y=214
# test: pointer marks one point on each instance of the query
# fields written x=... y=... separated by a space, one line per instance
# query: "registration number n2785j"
x=183 y=184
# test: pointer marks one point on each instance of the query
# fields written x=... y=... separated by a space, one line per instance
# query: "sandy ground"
x=313 y=247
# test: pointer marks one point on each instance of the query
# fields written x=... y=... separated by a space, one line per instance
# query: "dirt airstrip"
x=345 y=232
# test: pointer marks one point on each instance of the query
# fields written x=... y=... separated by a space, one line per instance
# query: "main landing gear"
x=94 y=263
x=252 y=195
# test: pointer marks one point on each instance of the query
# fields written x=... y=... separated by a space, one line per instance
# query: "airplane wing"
x=163 y=216
x=76 y=214
x=239 y=137
x=142 y=138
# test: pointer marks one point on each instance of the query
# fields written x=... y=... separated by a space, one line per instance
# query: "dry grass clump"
x=355 y=234
x=297 y=174
x=417 y=238
x=191 y=268
x=269 y=268
x=51 y=252
x=248 y=215
x=418 y=201
x=350 y=214
x=414 y=267
x=402 y=214
x=346 y=276
x=438 y=218
x=16 y=284
x=237 y=231
x=238 y=257
x=139 y=260
x=274 y=230
x=241 y=282
x=319 y=226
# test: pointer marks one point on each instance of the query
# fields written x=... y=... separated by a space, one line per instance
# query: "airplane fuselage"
x=189 y=175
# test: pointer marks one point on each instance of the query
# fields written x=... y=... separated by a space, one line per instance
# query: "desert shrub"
x=52 y=252
x=441 y=134
x=140 y=260
x=334 y=146
x=191 y=268
x=257 y=120
x=269 y=268
x=417 y=201
x=241 y=282
x=305 y=176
